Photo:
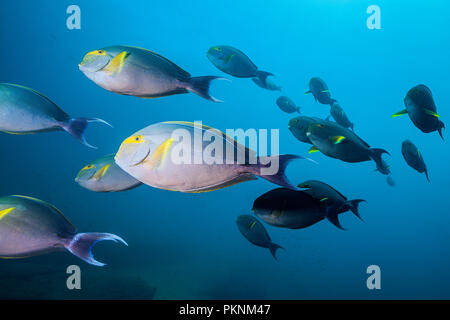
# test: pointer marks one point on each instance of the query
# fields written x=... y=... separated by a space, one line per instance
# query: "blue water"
x=187 y=246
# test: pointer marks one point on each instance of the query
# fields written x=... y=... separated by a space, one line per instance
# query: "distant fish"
x=234 y=62
x=104 y=175
x=340 y=116
x=148 y=155
x=268 y=84
x=319 y=89
x=30 y=227
x=287 y=105
x=293 y=209
x=254 y=231
x=340 y=143
x=421 y=109
x=414 y=158
x=142 y=73
x=24 y=111
x=390 y=181
x=334 y=201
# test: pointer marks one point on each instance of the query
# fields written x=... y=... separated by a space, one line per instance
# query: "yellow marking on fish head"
x=101 y=172
x=4 y=212
x=313 y=149
x=116 y=64
x=158 y=157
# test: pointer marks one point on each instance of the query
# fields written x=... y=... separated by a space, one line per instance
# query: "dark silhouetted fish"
x=340 y=116
x=254 y=231
x=319 y=89
x=287 y=105
x=421 y=109
x=234 y=62
x=414 y=158
x=293 y=209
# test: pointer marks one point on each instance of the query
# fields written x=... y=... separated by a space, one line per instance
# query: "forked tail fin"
x=82 y=243
x=76 y=127
x=200 y=86
x=273 y=247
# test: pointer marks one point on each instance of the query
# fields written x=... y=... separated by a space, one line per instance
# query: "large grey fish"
x=340 y=116
x=319 y=89
x=334 y=201
x=293 y=209
x=104 y=175
x=268 y=84
x=254 y=231
x=142 y=73
x=340 y=143
x=173 y=156
x=414 y=158
x=234 y=62
x=422 y=110
x=30 y=227
x=24 y=111
x=287 y=105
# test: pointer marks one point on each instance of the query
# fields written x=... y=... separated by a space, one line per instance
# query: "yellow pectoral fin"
x=228 y=58
x=313 y=149
x=4 y=212
x=432 y=113
x=252 y=224
x=160 y=154
x=116 y=64
x=337 y=139
x=323 y=199
x=400 y=113
x=324 y=91
x=101 y=173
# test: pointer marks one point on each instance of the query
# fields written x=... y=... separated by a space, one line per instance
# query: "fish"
x=340 y=143
x=298 y=126
x=414 y=158
x=287 y=105
x=173 y=156
x=390 y=181
x=293 y=209
x=104 y=175
x=26 y=111
x=268 y=84
x=319 y=89
x=234 y=62
x=31 y=227
x=340 y=116
x=141 y=73
x=254 y=231
x=421 y=108
x=334 y=201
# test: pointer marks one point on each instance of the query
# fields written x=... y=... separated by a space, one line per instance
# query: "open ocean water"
x=187 y=246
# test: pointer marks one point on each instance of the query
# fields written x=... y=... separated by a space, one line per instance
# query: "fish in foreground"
x=104 y=175
x=422 y=110
x=142 y=73
x=157 y=158
x=25 y=111
x=293 y=209
x=287 y=105
x=334 y=201
x=414 y=158
x=268 y=84
x=340 y=143
x=319 y=89
x=254 y=231
x=234 y=62
x=30 y=227
x=340 y=116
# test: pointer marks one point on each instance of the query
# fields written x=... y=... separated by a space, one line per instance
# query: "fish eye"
x=100 y=51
